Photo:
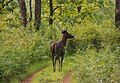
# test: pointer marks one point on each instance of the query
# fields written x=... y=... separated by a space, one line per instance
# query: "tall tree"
x=117 y=13
x=30 y=11
x=52 y=10
x=23 y=12
x=37 y=14
x=51 y=13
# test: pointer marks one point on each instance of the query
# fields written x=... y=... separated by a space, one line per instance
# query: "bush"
x=19 y=49
x=98 y=67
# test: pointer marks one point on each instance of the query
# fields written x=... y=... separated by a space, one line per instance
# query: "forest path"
x=67 y=78
x=46 y=75
x=30 y=77
x=28 y=80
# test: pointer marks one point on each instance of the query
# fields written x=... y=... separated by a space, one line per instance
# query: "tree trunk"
x=37 y=14
x=30 y=11
x=51 y=13
x=117 y=13
x=23 y=12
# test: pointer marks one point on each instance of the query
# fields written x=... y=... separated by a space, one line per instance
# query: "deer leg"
x=53 y=60
x=59 y=63
x=55 y=64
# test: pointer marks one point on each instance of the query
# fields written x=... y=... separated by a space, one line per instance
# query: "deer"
x=57 y=49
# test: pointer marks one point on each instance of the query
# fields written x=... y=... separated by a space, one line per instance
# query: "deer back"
x=57 y=49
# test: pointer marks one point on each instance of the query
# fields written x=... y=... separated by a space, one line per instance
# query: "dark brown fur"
x=57 y=50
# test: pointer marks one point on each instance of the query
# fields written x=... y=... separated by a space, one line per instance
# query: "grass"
x=86 y=66
x=43 y=71
x=47 y=76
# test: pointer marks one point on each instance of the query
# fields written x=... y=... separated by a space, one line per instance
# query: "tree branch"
x=8 y=2
x=5 y=4
x=56 y=8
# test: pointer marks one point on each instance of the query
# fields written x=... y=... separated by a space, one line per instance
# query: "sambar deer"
x=57 y=50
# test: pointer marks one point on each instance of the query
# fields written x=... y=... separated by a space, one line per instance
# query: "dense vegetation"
x=95 y=49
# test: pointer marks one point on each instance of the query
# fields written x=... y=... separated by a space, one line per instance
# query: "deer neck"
x=64 y=40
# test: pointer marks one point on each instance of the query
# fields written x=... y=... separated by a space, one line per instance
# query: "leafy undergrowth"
x=97 y=67
x=87 y=66
x=16 y=56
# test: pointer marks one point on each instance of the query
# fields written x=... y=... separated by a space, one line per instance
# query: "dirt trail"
x=30 y=77
x=67 y=78
x=28 y=80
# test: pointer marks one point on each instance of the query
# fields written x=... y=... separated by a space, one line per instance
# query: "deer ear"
x=63 y=32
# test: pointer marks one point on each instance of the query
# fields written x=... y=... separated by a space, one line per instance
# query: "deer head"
x=66 y=34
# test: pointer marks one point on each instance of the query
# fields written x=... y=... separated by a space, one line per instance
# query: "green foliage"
x=98 y=67
x=19 y=48
x=95 y=50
